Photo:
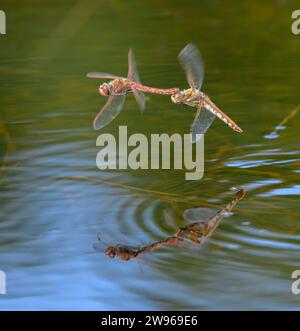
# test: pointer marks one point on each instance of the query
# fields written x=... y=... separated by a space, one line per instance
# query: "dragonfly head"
x=177 y=97
x=104 y=89
x=110 y=251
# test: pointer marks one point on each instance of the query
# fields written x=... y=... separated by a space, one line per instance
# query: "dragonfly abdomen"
x=209 y=105
x=154 y=90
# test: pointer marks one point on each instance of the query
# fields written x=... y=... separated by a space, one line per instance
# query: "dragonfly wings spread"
x=192 y=63
x=111 y=110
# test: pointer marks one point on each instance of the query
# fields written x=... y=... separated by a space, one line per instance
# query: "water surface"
x=54 y=200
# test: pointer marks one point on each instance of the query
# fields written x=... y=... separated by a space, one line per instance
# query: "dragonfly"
x=193 y=65
x=204 y=223
x=117 y=88
x=202 y=226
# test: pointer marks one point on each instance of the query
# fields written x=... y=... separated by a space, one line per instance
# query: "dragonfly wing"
x=168 y=216
x=101 y=75
x=111 y=110
x=198 y=214
x=201 y=124
x=193 y=65
x=133 y=76
x=140 y=99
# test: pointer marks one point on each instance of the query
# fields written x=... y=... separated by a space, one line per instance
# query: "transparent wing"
x=198 y=214
x=110 y=111
x=201 y=124
x=133 y=76
x=168 y=216
x=192 y=63
x=101 y=75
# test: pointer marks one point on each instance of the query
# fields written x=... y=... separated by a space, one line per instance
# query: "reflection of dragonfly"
x=202 y=228
x=192 y=63
x=126 y=252
x=117 y=89
x=196 y=232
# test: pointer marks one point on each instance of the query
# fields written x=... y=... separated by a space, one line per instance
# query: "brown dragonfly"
x=201 y=228
x=127 y=252
x=193 y=65
x=118 y=87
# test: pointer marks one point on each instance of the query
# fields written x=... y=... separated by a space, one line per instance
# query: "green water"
x=54 y=200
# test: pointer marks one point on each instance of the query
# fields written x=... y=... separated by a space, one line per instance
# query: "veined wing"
x=133 y=76
x=198 y=214
x=110 y=111
x=193 y=65
x=101 y=75
x=201 y=124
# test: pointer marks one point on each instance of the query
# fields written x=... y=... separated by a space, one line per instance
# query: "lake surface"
x=54 y=200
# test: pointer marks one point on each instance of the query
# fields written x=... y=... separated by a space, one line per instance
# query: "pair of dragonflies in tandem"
x=203 y=222
x=192 y=63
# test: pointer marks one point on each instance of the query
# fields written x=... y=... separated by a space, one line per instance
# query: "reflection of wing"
x=201 y=124
x=133 y=76
x=100 y=75
x=168 y=216
x=198 y=214
x=192 y=63
x=204 y=222
x=110 y=111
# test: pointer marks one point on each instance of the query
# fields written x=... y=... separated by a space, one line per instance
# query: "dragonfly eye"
x=176 y=98
x=110 y=251
x=104 y=89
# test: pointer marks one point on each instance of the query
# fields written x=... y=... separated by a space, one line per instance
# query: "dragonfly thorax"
x=187 y=97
